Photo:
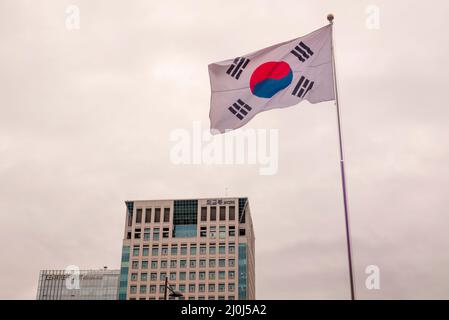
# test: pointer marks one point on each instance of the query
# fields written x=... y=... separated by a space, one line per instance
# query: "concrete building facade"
x=204 y=246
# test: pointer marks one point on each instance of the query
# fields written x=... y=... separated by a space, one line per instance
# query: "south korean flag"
x=275 y=77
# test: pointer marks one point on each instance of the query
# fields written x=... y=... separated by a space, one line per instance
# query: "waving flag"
x=275 y=77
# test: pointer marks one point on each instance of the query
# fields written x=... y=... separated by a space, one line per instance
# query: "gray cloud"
x=86 y=117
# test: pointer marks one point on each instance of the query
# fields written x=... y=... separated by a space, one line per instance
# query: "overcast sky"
x=86 y=116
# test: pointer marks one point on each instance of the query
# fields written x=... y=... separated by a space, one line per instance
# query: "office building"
x=78 y=284
x=204 y=246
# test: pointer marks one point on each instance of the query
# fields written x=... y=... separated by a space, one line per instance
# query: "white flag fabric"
x=275 y=77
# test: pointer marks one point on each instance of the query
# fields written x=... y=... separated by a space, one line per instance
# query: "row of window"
x=221 y=213
x=163 y=214
x=212 y=275
x=147 y=216
x=166 y=233
x=183 y=263
x=189 y=298
x=221 y=287
x=183 y=249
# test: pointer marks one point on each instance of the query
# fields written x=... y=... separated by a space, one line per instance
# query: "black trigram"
x=235 y=70
x=302 y=87
x=302 y=52
x=240 y=109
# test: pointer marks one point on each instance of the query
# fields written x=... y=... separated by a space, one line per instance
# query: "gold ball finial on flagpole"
x=330 y=18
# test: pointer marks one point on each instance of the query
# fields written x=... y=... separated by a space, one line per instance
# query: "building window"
x=172 y=276
x=143 y=276
x=136 y=250
x=135 y=265
x=242 y=204
x=231 y=274
x=165 y=233
x=146 y=234
x=222 y=213
x=202 y=263
x=213 y=214
x=183 y=263
x=242 y=232
x=222 y=248
x=182 y=276
x=162 y=276
x=221 y=287
x=231 y=248
x=163 y=264
x=212 y=263
x=152 y=289
x=166 y=214
x=145 y=251
x=213 y=232
x=221 y=297
x=211 y=275
x=157 y=215
x=139 y=216
x=231 y=287
x=192 y=250
x=203 y=213
x=231 y=262
x=128 y=235
x=133 y=276
x=161 y=290
x=211 y=287
x=222 y=234
x=222 y=263
x=201 y=287
x=203 y=249
x=211 y=298
x=164 y=250
x=202 y=275
x=155 y=251
x=173 y=263
x=153 y=276
x=192 y=263
x=154 y=264
x=231 y=298
x=231 y=213
x=143 y=289
x=156 y=234
x=191 y=288
x=182 y=288
x=212 y=249
x=192 y=275
x=232 y=231
x=174 y=250
x=203 y=232
x=133 y=289
x=130 y=207
x=148 y=215
x=144 y=264
x=137 y=233
x=221 y=275
x=183 y=249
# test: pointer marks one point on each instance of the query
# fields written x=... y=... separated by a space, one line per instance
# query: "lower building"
x=78 y=284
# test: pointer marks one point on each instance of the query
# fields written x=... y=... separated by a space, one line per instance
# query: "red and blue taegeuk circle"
x=269 y=78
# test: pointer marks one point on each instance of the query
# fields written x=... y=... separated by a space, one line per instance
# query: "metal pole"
x=330 y=18
x=166 y=288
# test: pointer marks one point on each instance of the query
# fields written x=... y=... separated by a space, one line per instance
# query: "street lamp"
x=173 y=293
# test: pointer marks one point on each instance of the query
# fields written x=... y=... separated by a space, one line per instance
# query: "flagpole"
x=330 y=18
